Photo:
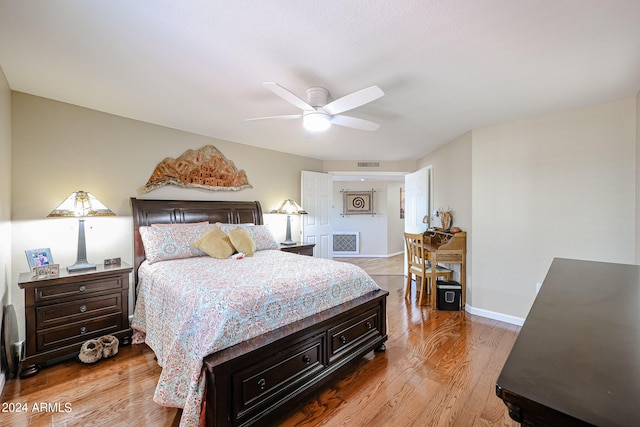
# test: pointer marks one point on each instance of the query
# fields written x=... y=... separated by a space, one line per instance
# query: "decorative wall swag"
x=205 y=168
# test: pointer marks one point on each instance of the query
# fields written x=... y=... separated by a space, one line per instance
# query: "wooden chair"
x=418 y=265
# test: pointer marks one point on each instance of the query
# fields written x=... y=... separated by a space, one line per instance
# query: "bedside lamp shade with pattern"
x=81 y=204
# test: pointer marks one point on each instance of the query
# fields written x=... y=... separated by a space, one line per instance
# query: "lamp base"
x=288 y=242
x=80 y=266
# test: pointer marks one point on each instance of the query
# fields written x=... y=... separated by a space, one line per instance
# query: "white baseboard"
x=339 y=255
x=494 y=315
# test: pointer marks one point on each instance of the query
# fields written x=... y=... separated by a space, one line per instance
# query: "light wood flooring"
x=439 y=369
x=391 y=266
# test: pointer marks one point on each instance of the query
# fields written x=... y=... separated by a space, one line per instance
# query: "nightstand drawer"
x=70 y=290
x=53 y=338
x=64 y=313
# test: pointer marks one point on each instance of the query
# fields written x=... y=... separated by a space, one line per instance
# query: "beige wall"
x=638 y=178
x=561 y=185
x=395 y=224
x=380 y=234
x=5 y=190
x=59 y=148
x=451 y=176
x=535 y=189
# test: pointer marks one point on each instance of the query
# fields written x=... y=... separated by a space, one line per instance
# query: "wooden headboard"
x=147 y=212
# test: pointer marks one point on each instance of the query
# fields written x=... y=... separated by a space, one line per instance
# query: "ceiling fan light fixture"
x=316 y=121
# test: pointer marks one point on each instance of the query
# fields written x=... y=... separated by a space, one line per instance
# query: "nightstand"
x=63 y=312
x=299 y=248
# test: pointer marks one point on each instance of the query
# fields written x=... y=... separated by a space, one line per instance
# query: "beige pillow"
x=215 y=243
x=242 y=241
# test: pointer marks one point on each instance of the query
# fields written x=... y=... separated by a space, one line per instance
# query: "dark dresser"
x=63 y=312
x=576 y=361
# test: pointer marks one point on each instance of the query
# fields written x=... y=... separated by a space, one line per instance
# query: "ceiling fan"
x=317 y=115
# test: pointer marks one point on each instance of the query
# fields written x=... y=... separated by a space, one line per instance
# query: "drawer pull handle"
x=82 y=288
x=307 y=360
x=262 y=384
x=83 y=330
x=368 y=325
x=83 y=308
x=343 y=339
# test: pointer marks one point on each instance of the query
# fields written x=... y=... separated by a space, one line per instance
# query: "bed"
x=246 y=382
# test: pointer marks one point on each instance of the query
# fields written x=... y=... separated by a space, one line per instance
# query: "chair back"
x=415 y=253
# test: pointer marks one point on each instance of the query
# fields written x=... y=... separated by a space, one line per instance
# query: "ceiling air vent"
x=368 y=164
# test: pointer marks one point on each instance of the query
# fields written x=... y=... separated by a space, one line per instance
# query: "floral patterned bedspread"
x=190 y=308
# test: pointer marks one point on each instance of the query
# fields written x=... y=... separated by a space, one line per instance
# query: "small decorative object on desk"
x=446 y=218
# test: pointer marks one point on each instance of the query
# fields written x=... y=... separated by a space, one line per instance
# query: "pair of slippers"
x=96 y=349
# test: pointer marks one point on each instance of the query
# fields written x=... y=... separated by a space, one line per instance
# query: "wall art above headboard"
x=204 y=168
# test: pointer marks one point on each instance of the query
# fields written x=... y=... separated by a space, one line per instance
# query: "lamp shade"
x=290 y=207
x=81 y=204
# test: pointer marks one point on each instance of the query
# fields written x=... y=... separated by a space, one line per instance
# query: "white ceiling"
x=446 y=66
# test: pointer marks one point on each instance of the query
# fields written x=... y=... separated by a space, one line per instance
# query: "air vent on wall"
x=346 y=242
x=368 y=164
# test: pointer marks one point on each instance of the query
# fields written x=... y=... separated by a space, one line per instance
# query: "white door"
x=416 y=199
x=317 y=198
x=417 y=202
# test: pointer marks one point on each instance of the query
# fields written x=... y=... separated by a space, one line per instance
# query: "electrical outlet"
x=112 y=261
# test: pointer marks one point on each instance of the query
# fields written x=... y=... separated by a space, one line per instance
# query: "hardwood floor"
x=439 y=369
x=391 y=266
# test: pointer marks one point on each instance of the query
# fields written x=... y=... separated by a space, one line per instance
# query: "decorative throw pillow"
x=260 y=234
x=242 y=241
x=216 y=244
x=165 y=243
x=263 y=237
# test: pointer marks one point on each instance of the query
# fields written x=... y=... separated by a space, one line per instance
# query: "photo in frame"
x=357 y=202
x=38 y=257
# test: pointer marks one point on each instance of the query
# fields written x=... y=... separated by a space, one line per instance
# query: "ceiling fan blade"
x=353 y=100
x=287 y=96
x=292 y=116
x=352 y=122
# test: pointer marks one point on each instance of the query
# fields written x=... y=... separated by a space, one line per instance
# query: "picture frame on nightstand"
x=38 y=257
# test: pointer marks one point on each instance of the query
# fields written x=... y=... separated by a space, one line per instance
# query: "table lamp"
x=81 y=204
x=289 y=207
